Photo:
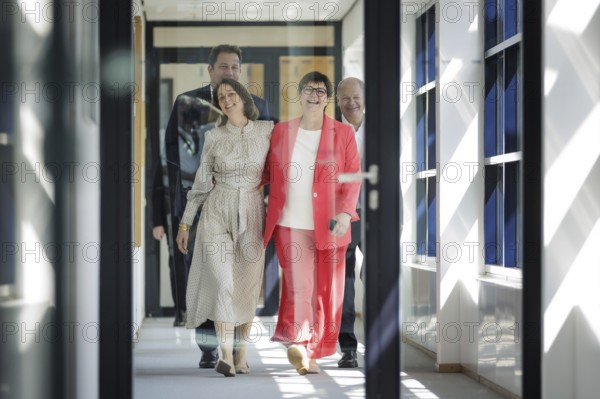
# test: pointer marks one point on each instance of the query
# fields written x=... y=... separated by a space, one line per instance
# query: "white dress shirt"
x=359 y=135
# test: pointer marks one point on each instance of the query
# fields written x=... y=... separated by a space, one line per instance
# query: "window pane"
x=519 y=212
x=420 y=49
x=511 y=100
x=510 y=18
x=431 y=159
x=421 y=217
x=490 y=216
x=421 y=108
x=431 y=44
x=511 y=189
x=431 y=218
x=491 y=23
x=491 y=95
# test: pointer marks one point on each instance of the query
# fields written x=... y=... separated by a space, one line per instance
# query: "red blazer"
x=337 y=153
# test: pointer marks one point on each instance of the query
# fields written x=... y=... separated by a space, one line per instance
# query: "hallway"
x=165 y=366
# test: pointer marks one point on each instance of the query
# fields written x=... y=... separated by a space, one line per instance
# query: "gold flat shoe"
x=298 y=358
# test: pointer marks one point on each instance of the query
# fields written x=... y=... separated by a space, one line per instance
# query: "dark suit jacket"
x=200 y=116
x=337 y=153
x=159 y=211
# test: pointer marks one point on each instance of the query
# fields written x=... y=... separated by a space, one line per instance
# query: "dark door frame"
x=116 y=219
x=383 y=200
x=532 y=56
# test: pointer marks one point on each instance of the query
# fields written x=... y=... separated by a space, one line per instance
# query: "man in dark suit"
x=350 y=99
x=190 y=118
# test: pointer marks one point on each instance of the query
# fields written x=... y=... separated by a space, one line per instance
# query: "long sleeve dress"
x=228 y=260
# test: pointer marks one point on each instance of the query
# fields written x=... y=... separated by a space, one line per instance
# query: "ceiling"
x=246 y=11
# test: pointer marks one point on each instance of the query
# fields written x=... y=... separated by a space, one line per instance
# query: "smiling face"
x=351 y=101
x=229 y=101
x=314 y=97
x=227 y=65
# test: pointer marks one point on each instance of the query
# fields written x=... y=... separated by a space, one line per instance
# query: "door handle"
x=372 y=175
x=5 y=139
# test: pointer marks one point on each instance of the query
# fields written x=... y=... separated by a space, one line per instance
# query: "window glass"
x=502 y=134
x=426 y=104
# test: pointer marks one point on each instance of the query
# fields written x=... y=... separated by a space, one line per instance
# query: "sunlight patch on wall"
x=560 y=183
x=33 y=150
x=572 y=17
x=582 y=277
x=550 y=78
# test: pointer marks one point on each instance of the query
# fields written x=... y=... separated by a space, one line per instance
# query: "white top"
x=359 y=135
x=298 y=209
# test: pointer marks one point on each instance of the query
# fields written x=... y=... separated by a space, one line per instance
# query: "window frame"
x=426 y=79
x=509 y=202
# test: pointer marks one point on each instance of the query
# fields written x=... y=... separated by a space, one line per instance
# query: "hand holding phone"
x=332 y=223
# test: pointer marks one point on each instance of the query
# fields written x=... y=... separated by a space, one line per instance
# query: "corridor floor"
x=166 y=366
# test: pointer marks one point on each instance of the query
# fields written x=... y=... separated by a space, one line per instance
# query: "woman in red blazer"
x=309 y=214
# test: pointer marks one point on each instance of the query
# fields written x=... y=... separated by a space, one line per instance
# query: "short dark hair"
x=250 y=109
x=223 y=48
x=317 y=77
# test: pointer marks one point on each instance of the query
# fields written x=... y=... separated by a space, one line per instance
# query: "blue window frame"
x=426 y=133
x=502 y=134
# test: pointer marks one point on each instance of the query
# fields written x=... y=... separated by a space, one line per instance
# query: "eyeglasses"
x=308 y=90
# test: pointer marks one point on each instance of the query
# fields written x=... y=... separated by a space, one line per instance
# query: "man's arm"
x=173 y=161
x=158 y=204
x=158 y=199
x=263 y=108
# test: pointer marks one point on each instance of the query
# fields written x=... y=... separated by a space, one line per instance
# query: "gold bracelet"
x=184 y=227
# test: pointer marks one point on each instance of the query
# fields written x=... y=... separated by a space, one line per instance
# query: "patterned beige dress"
x=228 y=260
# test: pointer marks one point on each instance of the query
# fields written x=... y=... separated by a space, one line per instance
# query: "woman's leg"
x=295 y=250
x=226 y=335
x=295 y=325
x=242 y=334
x=329 y=286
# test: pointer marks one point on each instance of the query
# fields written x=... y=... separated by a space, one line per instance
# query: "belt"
x=243 y=202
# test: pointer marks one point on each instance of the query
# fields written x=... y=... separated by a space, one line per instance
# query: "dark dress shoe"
x=180 y=319
x=348 y=360
x=209 y=359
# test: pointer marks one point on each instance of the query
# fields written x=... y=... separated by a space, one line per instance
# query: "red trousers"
x=312 y=293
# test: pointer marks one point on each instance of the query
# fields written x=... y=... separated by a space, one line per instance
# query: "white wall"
x=460 y=187
x=353 y=24
x=571 y=166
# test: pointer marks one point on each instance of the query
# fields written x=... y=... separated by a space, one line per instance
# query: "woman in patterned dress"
x=228 y=260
